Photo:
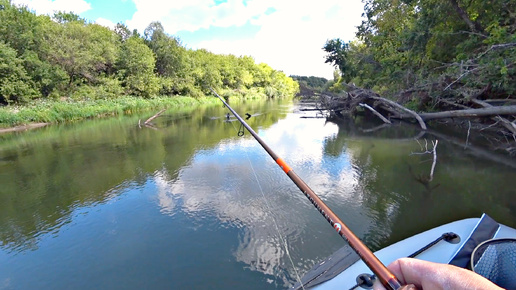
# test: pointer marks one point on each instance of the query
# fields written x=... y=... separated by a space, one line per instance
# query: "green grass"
x=50 y=111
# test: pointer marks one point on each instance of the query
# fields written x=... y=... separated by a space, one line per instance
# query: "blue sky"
x=286 y=34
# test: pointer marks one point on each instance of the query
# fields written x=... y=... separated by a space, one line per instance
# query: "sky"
x=288 y=35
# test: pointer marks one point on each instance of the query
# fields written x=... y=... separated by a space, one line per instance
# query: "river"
x=188 y=204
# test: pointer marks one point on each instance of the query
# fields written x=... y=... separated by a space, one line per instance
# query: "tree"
x=17 y=27
x=15 y=84
x=337 y=54
x=64 y=17
x=83 y=51
x=170 y=55
x=136 y=67
x=23 y=31
x=407 y=43
x=122 y=31
x=66 y=55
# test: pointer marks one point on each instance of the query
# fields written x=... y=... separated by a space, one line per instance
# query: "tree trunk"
x=472 y=113
x=473 y=25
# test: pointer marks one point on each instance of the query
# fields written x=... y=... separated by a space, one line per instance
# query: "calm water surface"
x=188 y=204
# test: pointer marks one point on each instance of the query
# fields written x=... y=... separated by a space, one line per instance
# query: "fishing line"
x=386 y=277
x=282 y=239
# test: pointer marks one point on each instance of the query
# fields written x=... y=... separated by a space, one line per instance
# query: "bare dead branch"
x=385 y=120
x=434 y=151
x=154 y=117
x=412 y=113
x=506 y=123
x=467 y=137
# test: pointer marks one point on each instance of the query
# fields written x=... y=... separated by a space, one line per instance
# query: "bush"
x=15 y=85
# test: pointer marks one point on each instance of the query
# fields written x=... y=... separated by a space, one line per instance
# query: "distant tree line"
x=312 y=81
x=67 y=56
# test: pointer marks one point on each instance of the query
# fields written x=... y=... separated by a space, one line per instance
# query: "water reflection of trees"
x=467 y=185
x=48 y=173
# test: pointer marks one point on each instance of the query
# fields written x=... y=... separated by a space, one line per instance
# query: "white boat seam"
x=470 y=234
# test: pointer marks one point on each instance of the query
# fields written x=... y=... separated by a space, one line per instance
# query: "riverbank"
x=16 y=118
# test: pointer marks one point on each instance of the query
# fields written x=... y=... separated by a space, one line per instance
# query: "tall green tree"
x=23 y=31
x=135 y=65
x=170 y=55
x=65 y=55
x=84 y=51
x=17 y=27
x=337 y=54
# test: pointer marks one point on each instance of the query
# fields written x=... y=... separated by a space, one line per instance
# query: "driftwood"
x=154 y=117
x=368 y=99
x=356 y=97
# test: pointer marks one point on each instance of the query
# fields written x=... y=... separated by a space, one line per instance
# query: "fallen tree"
x=467 y=113
x=500 y=118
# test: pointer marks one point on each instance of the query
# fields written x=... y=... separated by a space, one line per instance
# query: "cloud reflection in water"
x=220 y=182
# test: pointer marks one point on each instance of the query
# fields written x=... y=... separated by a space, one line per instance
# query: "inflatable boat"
x=480 y=244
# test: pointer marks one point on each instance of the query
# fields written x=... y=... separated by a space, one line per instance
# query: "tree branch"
x=414 y=114
x=385 y=120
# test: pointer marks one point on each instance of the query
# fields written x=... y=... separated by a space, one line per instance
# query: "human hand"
x=432 y=276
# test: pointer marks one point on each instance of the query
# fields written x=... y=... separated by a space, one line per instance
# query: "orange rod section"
x=283 y=165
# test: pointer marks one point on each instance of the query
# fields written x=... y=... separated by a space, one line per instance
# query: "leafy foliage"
x=442 y=47
x=136 y=65
x=15 y=85
x=65 y=56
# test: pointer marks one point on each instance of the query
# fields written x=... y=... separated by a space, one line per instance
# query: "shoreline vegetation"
x=65 y=68
x=44 y=112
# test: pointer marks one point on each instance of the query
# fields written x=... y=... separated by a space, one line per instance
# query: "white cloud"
x=105 y=22
x=49 y=6
x=290 y=38
x=194 y=14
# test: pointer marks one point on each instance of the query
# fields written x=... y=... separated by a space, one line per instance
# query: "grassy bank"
x=50 y=111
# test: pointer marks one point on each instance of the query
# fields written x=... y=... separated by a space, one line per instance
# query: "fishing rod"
x=387 y=279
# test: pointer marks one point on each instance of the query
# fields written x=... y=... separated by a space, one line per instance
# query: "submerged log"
x=23 y=127
x=154 y=117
